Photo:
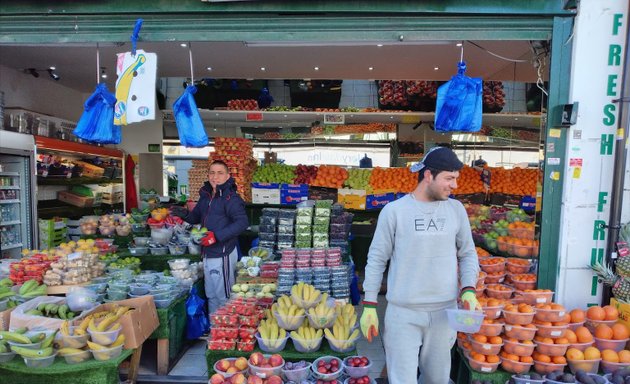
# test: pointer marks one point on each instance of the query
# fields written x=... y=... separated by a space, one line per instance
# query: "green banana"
x=27 y=287
x=70 y=315
x=63 y=310
x=26 y=352
x=7 y=294
x=38 y=291
x=4 y=289
x=6 y=282
x=4 y=348
x=36 y=338
x=11 y=304
x=33 y=312
x=49 y=340
x=41 y=307
x=15 y=337
x=20 y=330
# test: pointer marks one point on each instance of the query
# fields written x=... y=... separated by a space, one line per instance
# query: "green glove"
x=369 y=321
x=469 y=300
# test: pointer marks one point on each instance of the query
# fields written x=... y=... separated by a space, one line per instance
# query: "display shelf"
x=9 y=187
x=9 y=174
x=525 y=120
x=56 y=145
x=10 y=201
x=11 y=246
x=61 y=289
x=76 y=180
x=49 y=208
x=13 y=222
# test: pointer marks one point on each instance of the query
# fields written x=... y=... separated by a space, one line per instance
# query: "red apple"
x=256 y=359
x=232 y=370
x=254 y=380
x=239 y=378
x=276 y=360
x=241 y=363
x=217 y=378
x=223 y=365
x=273 y=380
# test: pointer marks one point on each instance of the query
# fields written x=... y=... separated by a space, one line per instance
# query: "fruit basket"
x=289 y=323
x=357 y=366
x=107 y=353
x=274 y=368
x=491 y=329
x=40 y=362
x=537 y=296
x=551 y=349
x=611 y=367
x=552 y=331
x=513 y=366
x=306 y=345
x=516 y=265
x=615 y=345
x=582 y=346
x=229 y=367
x=76 y=358
x=465 y=321
x=485 y=348
x=297 y=372
x=544 y=368
x=551 y=315
x=527 y=379
x=484 y=367
x=493 y=312
x=342 y=346
x=518 y=318
x=589 y=366
x=327 y=368
x=520 y=332
x=271 y=345
x=518 y=349
x=499 y=291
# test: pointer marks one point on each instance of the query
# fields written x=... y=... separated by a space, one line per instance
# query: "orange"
x=624 y=356
x=479 y=357
x=571 y=336
x=620 y=331
x=559 y=360
x=492 y=359
x=495 y=340
x=610 y=356
x=603 y=332
x=526 y=359
x=561 y=340
x=577 y=315
x=574 y=354
x=592 y=353
x=583 y=335
x=543 y=358
x=595 y=313
x=480 y=338
x=611 y=312
x=527 y=342
x=511 y=356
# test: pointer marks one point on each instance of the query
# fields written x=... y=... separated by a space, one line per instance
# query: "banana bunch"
x=340 y=337
x=6 y=292
x=288 y=313
x=322 y=315
x=346 y=315
x=71 y=338
x=45 y=350
x=271 y=333
x=308 y=337
x=32 y=289
x=305 y=295
x=55 y=311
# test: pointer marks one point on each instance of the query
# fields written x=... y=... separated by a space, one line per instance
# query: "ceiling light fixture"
x=316 y=68
x=183 y=45
x=52 y=67
x=263 y=69
x=458 y=44
x=436 y=68
x=209 y=68
x=370 y=68
x=53 y=74
x=282 y=44
x=103 y=73
x=379 y=45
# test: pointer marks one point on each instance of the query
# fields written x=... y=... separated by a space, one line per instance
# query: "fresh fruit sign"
x=597 y=59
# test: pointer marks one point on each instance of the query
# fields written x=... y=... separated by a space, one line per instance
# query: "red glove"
x=208 y=239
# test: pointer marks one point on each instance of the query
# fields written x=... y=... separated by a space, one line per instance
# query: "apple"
x=241 y=363
x=239 y=378
x=232 y=370
x=223 y=365
x=217 y=378
x=273 y=380
x=257 y=359
x=254 y=380
x=266 y=365
x=276 y=360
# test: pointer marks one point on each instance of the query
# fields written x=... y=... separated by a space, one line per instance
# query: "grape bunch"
x=305 y=173
x=274 y=173
x=358 y=178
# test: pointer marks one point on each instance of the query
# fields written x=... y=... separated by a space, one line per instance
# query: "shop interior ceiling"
x=76 y=64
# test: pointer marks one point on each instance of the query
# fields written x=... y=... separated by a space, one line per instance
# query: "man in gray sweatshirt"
x=426 y=238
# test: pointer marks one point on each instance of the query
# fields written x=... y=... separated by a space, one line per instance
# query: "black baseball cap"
x=440 y=158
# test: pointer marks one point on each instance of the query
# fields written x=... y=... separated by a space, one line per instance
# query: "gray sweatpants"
x=218 y=278
x=409 y=331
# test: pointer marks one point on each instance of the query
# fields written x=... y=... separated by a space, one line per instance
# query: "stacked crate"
x=238 y=154
x=197 y=175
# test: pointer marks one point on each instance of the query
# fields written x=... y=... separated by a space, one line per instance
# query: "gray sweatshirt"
x=427 y=244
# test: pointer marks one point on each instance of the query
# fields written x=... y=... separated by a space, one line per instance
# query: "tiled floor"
x=193 y=363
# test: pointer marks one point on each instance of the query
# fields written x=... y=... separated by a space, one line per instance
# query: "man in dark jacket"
x=222 y=212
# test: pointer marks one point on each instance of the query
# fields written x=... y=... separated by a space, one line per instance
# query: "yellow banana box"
x=138 y=323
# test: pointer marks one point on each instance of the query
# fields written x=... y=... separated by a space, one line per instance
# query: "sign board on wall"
x=596 y=74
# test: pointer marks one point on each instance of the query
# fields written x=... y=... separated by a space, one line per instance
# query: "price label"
x=556 y=333
x=487 y=346
x=498 y=313
x=74 y=256
x=486 y=369
x=254 y=116
x=541 y=300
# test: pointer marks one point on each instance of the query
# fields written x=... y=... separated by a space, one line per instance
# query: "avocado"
x=535 y=376
x=584 y=378
x=567 y=378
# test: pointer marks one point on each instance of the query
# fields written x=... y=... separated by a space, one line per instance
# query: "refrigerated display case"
x=17 y=196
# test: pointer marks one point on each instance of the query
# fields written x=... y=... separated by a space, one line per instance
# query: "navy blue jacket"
x=223 y=213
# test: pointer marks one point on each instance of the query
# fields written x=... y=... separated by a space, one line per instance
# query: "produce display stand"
x=89 y=372
x=61 y=289
x=465 y=375
x=171 y=333
x=157 y=263
x=288 y=354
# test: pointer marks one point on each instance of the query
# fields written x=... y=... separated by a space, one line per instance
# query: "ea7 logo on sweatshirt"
x=430 y=224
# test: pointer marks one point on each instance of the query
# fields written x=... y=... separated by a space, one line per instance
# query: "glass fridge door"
x=16 y=211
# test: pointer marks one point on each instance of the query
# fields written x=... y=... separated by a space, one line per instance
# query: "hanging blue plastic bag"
x=189 y=124
x=97 y=121
x=459 y=103
x=197 y=323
